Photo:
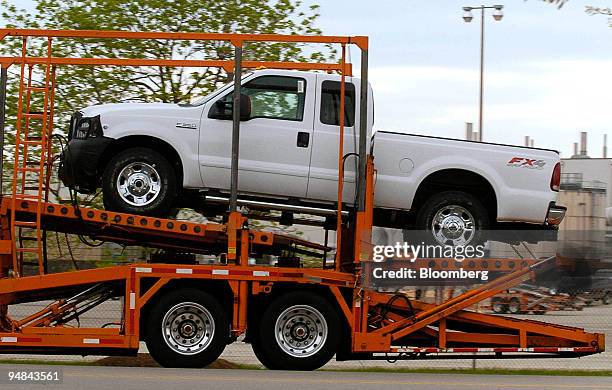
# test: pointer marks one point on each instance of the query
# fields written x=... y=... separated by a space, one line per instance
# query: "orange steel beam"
x=135 y=62
x=340 y=167
x=62 y=279
x=144 y=298
x=530 y=326
x=461 y=301
x=360 y=41
x=431 y=316
x=348 y=314
x=177 y=229
x=71 y=338
x=495 y=321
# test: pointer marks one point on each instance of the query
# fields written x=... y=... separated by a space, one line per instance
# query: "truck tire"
x=298 y=331
x=188 y=328
x=139 y=181
x=453 y=218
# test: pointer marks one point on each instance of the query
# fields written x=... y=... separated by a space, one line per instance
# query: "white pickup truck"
x=148 y=158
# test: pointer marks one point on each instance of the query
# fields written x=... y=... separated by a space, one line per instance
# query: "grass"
x=466 y=371
x=478 y=371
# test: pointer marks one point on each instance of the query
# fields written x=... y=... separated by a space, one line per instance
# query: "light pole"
x=467 y=16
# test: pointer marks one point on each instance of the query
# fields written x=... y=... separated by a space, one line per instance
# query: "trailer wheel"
x=188 y=329
x=514 y=306
x=606 y=298
x=139 y=181
x=298 y=331
x=453 y=218
x=498 y=306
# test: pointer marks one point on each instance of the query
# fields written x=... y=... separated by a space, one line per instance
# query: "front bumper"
x=555 y=214
x=80 y=161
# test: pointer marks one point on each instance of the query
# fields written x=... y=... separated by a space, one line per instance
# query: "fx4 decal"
x=523 y=162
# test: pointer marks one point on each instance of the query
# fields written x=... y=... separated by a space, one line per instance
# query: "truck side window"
x=274 y=97
x=330 y=103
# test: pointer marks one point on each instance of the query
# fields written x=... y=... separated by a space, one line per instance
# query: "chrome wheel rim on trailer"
x=301 y=331
x=188 y=328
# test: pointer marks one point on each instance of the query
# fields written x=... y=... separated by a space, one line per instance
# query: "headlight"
x=83 y=128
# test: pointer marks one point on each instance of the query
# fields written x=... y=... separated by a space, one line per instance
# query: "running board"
x=260 y=205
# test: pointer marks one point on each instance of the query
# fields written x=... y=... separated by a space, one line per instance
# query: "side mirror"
x=224 y=110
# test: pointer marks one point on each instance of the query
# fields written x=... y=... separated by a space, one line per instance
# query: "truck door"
x=323 y=181
x=275 y=142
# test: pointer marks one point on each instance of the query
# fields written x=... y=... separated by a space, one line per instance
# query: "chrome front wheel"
x=140 y=181
x=138 y=184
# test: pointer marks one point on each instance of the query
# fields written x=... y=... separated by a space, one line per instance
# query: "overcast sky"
x=548 y=72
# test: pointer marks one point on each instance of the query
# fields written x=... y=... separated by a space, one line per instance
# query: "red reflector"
x=555 y=180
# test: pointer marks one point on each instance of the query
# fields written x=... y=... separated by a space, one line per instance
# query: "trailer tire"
x=139 y=181
x=498 y=306
x=258 y=352
x=453 y=218
x=514 y=306
x=201 y=333
x=298 y=331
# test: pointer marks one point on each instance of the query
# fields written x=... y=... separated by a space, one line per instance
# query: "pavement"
x=93 y=378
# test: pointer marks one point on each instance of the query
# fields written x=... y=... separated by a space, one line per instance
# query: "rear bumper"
x=555 y=214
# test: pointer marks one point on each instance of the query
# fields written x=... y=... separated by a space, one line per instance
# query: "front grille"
x=74 y=122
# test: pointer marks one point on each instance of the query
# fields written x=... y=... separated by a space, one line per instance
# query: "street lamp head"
x=498 y=14
x=467 y=14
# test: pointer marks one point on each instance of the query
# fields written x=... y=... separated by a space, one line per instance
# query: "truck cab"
x=290 y=138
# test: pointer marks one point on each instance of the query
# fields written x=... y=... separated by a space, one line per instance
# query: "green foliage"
x=86 y=85
x=78 y=87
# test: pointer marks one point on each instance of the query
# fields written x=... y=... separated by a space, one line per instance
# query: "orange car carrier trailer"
x=294 y=317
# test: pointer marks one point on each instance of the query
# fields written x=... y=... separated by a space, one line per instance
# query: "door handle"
x=303 y=139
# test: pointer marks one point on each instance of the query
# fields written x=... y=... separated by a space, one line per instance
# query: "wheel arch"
x=458 y=180
x=143 y=141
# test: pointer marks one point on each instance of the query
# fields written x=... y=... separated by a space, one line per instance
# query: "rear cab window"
x=330 y=103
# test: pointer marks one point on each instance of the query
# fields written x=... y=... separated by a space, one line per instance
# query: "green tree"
x=78 y=87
